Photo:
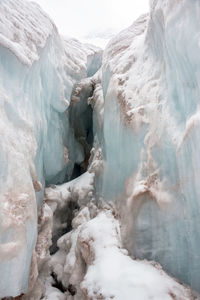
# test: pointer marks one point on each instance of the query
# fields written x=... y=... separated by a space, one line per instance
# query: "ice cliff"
x=151 y=134
x=96 y=159
x=38 y=70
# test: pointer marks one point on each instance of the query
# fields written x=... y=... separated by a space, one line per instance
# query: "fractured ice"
x=97 y=159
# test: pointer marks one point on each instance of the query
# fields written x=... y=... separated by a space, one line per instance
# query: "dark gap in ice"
x=58 y=284
x=77 y=171
x=81 y=120
x=71 y=289
x=65 y=216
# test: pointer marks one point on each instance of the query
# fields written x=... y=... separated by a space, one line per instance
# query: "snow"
x=81 y=187
x=41 y=284
x=81 y=57
x=109 y=273
x=114 y=275
x=24 y=29
x=132 y=128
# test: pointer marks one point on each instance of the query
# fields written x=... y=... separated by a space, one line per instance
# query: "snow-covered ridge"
x=120 y=46
x=24 y=29
x=81 y=57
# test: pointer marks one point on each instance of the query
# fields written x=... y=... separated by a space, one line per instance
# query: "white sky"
x=86 y=19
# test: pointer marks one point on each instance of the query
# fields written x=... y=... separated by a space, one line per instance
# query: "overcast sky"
x=89 y=19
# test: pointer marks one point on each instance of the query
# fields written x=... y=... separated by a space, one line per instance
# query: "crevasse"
x=98 y=159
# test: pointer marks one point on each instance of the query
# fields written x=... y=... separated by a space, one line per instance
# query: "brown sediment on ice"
x=13 y=298
x=18 y=207
x=132 y=118
x=124 y=107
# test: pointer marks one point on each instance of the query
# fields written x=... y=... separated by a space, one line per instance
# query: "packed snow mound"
x=77 y=188
x=92 y=261
x=38 y=70
x=150 y=78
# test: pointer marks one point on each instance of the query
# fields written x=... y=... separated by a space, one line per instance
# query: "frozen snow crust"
x=38 y=70
x=151 y=132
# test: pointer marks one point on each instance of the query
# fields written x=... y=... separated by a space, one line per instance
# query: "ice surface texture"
x=37 y=72
x=151 y=132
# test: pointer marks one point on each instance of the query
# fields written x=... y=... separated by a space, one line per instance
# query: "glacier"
x=99 y=193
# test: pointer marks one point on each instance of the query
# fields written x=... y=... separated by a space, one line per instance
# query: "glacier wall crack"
x=98 y=155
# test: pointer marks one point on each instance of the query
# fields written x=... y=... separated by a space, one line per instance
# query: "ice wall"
x=38 y=70
x=151 y=135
